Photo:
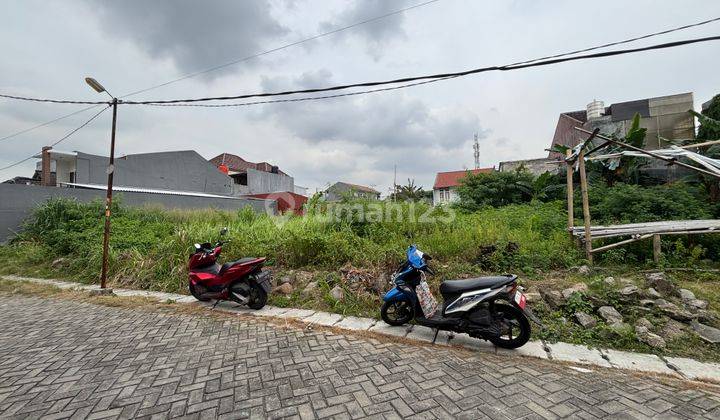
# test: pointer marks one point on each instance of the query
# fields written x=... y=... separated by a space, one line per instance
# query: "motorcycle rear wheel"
x=258 y=297
x=396 y=313
x=196 y=293
x=512 y=320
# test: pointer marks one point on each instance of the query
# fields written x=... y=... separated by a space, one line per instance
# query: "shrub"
x=626 y=203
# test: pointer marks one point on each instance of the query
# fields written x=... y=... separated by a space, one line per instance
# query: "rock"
x=533 y=297
x=310 y=287
x=661 y=283
x=672 y=310
x=707 y=333
x=672 y=329
x=645 y=336
x=586 y=320
x=630 y=292
x=643 y=322
x=285 y=279
x=575 y=288
x=697 y=304
x=706 y=316
x=100 y=292
x=553 y=298
x=610 y=281
x=610 y=315
x=283 y=289
x=686 y=294
x=652 y=293
x=584 y=270
x=57 y=263
x=337 y=293
x=647 y=303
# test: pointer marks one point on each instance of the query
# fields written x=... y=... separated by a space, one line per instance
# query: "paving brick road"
x=66 y=359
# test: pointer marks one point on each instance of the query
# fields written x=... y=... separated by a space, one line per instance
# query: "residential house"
x=664 y=117
x=253 y=178
x=446 y=183
x=178 y=171
x=344 y=189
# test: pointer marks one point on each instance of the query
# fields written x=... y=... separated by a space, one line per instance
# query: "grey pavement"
x=69 y=359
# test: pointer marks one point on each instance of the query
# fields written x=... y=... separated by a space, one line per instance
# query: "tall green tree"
x=495 y=189
x=409 y=192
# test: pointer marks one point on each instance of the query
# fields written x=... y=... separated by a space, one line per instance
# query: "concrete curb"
x=606 y=358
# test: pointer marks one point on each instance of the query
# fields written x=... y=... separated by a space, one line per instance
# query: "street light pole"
x=110 y=171
x=108 y=198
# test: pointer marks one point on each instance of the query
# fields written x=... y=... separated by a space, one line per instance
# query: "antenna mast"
x=476 y=148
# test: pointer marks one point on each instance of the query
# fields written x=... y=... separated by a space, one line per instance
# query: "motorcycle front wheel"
x=396 y=313
x=197 y=294
x=513 y=325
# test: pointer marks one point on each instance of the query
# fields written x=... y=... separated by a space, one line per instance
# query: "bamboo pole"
x=586 y=206
x=656 y=249
x=570 y=195
x=616 y=244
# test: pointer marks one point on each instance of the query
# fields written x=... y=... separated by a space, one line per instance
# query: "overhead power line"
x=17 y=133
x=54 y=101
x=65 y=137
x=429 y=78
x=311 y=98
x=240 y=60
x=434 y=77
x=625 y=41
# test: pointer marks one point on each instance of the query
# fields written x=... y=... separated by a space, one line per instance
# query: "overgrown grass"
x=149 y=247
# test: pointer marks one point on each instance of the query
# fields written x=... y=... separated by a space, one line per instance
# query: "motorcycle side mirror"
x=223 y=231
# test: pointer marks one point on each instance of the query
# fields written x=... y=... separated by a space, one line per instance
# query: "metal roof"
x=155 y=191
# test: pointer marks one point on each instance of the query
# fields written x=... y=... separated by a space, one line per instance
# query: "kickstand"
x=215 y=304
x=437 y=330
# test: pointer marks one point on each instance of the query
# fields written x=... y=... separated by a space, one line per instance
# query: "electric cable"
x=256 y=55
x=292 y=44
x=59 y=140
x=17 y=133
x=434 y=77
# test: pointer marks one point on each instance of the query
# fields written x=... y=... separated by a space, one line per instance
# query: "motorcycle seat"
x=245 y=260
x=490 y=282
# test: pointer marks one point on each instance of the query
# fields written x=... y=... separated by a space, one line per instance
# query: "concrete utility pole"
x=110 y=171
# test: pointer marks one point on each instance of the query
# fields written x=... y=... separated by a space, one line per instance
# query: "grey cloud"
x=388 y=120
x=376 y=34
x=194 y=34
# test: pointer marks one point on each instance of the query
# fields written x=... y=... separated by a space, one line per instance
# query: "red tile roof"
x=452 y=179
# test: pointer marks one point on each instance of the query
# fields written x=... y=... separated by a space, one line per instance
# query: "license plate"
x=520 y=299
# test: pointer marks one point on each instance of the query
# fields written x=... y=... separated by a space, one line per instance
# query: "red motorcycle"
x=242 y=281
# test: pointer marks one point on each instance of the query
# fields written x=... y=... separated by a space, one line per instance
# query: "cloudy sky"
x=49 y=47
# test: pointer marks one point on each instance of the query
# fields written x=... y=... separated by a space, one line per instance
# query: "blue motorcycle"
x=489 y=308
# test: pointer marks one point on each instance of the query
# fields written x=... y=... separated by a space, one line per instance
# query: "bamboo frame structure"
x=636 y=231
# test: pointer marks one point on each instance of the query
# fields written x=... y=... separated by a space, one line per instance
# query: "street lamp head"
x=95 y=85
